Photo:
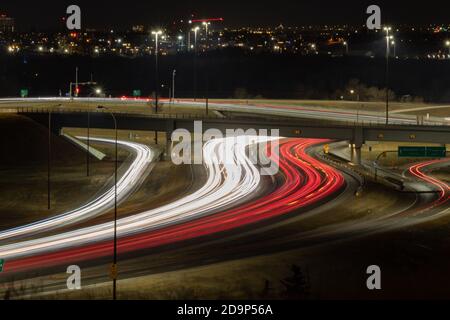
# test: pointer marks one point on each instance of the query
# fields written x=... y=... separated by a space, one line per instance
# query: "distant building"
x=138 y=28
x=6 y=23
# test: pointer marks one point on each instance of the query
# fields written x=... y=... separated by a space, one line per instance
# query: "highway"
x=227 y=183
x=229 y=203
x=306 y=181
x=335 y=114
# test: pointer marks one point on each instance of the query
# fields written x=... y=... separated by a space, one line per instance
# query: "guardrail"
x=187 y=116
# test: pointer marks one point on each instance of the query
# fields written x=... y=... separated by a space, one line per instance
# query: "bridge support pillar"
x=356 y=154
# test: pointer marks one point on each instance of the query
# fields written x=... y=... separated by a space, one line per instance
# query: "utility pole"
x=206 y=24
x=116 y=161
x=388 y=38
x=195 y=62
x=88 y=142
x=173 y=84
x=49 y=161
x=156 y=34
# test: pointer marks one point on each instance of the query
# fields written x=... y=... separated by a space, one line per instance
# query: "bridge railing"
x=39 y=110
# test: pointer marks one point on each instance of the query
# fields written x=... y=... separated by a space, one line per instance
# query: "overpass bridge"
x=356 y=133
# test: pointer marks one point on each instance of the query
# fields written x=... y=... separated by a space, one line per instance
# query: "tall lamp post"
x=395 y=51
x=447 y=43
x=49 y=160
x=88 y=149
x=346 y=47
x=156 y=34
x=388 y=38
x=195 y=61
x=114 y=266
x=207 y=24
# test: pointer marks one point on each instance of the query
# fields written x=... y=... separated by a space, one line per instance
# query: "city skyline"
x=46 y=15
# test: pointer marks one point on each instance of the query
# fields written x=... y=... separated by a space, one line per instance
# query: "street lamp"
x=393 y=45
x=181 y=42
x=206 y=24
x=447 y=43
x=49 y=156
x=346 y=46
x=195 y=61
x=195 y=37
x=156 y=34
x=388 y=38
x=352 y=92
x=114 y=266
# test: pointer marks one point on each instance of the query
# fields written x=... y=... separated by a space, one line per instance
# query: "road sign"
x=24 y=93
x=436 y=152
x=2 y=265
x=422 y=152
x=113 y=272
x=137 y=93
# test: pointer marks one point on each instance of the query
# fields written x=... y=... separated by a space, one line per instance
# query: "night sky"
x=46 y=14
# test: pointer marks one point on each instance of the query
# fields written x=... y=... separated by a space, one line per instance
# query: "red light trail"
x=444 y=189
x=306 y=181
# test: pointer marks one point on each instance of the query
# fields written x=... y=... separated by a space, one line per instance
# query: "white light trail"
x=227 y=183
x=143 y=156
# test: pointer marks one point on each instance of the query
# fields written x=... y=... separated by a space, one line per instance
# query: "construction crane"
x=207 y=20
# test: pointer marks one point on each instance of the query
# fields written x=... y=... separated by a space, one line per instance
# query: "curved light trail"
x=417 y=170
x=230 y=179
x=306 y=181
x=143 y=156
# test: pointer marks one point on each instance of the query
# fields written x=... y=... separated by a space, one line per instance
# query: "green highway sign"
x=2 y=264
x=24 y=93
x=422 y=152
x=137 y=93
x=436 y=152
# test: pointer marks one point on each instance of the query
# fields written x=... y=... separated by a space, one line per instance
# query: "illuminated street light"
x=393 y=45
x=388 y=38
x=353 y=92
x=346 y=46
x=195 y=61
x=447 y=43
x=195 y=36
x=207 y=24
x=156 y=34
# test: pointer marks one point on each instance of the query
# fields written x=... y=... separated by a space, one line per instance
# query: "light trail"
x=444 y=190
x=143 y=156
x=306 y=181
x=228 y=182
